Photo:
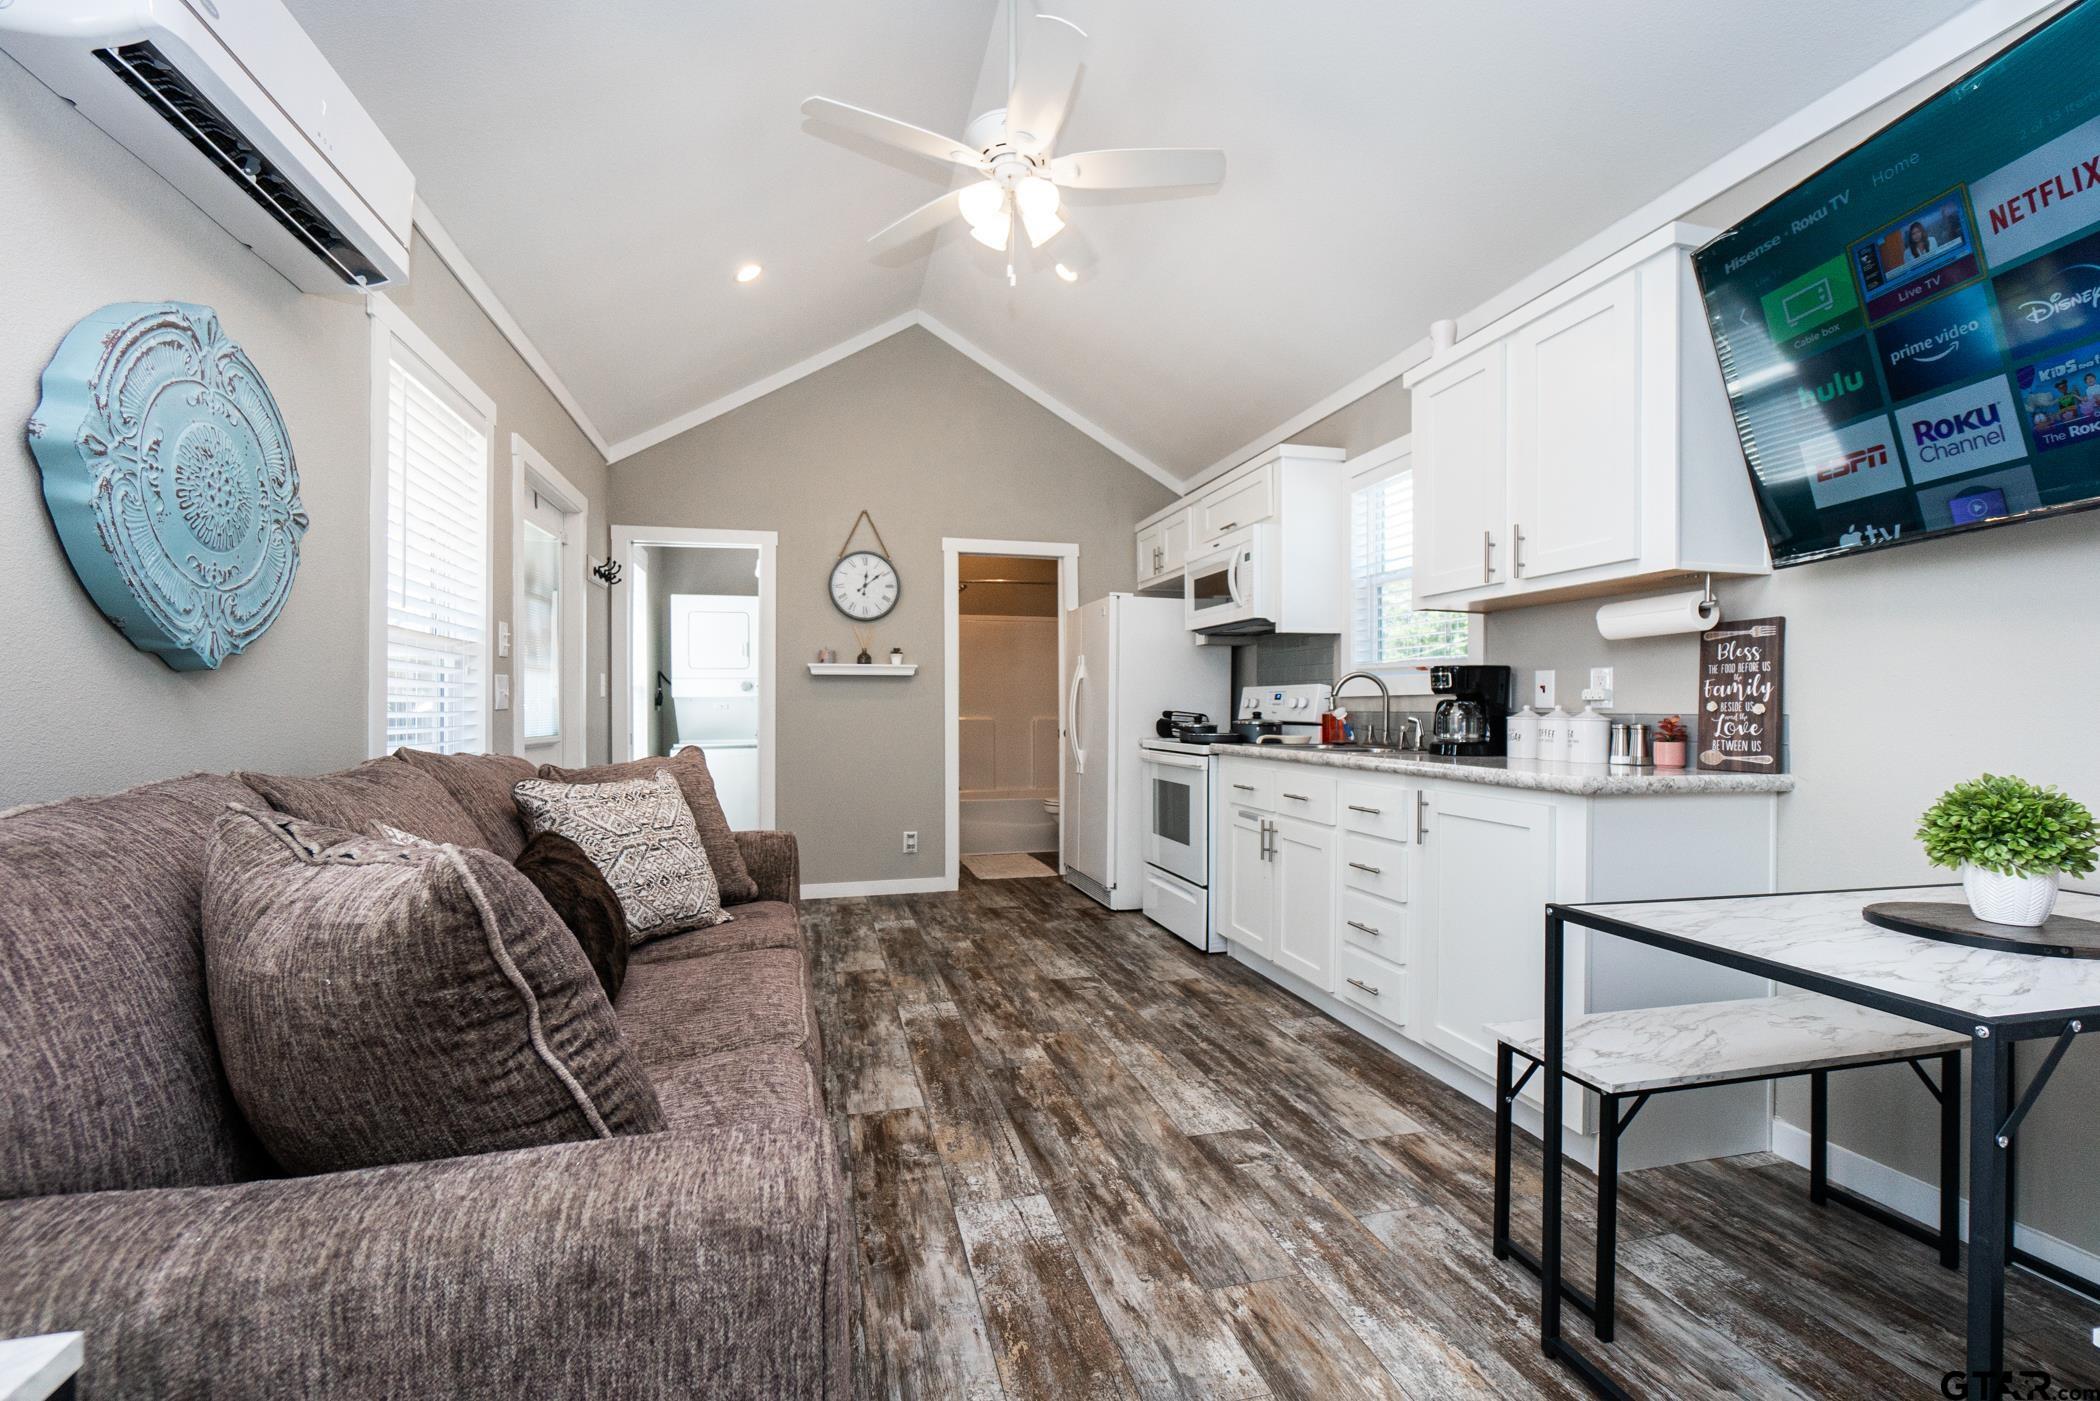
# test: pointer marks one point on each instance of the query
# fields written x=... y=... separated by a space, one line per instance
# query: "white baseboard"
x=1920 y=1200
x=907 y=885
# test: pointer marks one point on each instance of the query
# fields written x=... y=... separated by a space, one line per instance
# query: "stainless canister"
x=1629 y=744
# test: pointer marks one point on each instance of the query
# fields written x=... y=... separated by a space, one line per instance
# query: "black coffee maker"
x=1471 y=720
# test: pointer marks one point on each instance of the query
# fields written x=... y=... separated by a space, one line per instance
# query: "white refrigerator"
x=1128 y=658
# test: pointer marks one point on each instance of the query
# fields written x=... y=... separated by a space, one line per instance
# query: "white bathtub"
x=995 y=821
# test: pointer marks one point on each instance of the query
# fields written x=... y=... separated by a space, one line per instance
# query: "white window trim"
x=530 y=472
x=1369 y=468
x=390 y=325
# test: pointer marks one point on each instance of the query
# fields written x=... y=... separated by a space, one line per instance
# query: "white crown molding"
x=1960 y=38
x=492 y=307
x=853 y=345
x=758 y=389
x=1051 y=402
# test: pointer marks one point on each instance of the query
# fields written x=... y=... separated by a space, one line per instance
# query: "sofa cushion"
x=763 y=924
x=111 y=1076
x=753 y=1086
x=377 y=1002
x=481 y=784
x=695 y=1007
x=641 y=834
x=689 y=767
x=379 y=790
x=566 y=878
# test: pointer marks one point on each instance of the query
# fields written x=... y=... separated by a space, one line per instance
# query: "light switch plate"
x=1542 y=689
x=502 y=698
x=604 y=688
x=503 y=639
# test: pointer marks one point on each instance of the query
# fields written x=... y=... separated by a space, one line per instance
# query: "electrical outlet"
x=1599 y=691
x=1542 y=689
x=604 y=686
x=911 y=843
x=503 y=639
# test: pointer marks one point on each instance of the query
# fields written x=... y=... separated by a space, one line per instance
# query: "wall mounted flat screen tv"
x=1911 y=337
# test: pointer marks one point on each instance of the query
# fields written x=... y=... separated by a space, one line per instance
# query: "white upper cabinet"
x=1239 y=500
x=1163 y=549
x=1296 y=492
x=1461 y=475
x=1582 y=444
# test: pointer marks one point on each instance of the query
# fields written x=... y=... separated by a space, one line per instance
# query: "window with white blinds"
x=436 y=592
x=539 y=635
x=1385 y=629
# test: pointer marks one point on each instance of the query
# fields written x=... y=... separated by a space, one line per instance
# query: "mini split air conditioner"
x=236 y=107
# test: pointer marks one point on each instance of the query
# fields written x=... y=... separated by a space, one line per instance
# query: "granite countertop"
x=1536 y=775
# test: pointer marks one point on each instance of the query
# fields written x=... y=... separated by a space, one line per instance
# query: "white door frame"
x=952 y=551
x=767 y=543
x=531 y=472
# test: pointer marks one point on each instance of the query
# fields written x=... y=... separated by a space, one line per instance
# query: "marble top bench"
x=1666 y=1048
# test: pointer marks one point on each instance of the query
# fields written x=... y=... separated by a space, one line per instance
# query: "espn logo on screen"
x=1852 y=462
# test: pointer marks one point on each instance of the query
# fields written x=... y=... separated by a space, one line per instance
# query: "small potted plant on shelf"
x=2012 y=842
x=1671 y=746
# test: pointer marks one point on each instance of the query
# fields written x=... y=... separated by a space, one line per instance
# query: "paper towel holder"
x=1662 y=616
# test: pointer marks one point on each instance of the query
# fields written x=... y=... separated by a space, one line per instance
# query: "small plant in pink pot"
x=1672 y=748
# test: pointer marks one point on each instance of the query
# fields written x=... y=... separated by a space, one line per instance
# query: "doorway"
x=1004 y=624
x=549 y=721
x=694 y=651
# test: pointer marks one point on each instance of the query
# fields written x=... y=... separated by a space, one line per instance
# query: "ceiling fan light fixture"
x=992 y=236
x=984 y=206
x=1037 y=200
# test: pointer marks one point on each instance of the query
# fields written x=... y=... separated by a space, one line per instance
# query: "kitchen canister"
x=1553 y=735
x=1521 y=732
x=1589 y=737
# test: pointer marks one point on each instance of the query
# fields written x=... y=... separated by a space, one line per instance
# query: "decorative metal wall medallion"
x=169 y=474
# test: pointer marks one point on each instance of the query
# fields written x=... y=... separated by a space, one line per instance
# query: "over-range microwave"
x=1233 y=588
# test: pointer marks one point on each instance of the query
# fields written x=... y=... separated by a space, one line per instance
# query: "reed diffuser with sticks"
x=866 y=638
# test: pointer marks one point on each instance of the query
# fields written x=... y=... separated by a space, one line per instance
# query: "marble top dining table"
x=1823 y=934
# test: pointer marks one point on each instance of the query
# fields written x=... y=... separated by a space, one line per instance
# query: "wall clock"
x=169 y=475
x=864 y=585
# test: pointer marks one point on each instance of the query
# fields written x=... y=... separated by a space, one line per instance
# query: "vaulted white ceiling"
x=607 y=167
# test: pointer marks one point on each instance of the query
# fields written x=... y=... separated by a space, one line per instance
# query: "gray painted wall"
x=87 y=224
x=934 y=447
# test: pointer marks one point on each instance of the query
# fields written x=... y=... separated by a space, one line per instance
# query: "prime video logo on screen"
x=1939 y=344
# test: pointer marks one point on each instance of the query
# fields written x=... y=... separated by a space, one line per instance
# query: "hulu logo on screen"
x=1814 y=307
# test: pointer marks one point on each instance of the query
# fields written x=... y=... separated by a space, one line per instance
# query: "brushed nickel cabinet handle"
x=1228 y=525
x=1487 y=556
x=1359 y=924
x=1367 y=870
x=1355 y=807
x=1422 y=815
x=1297 y=797
x=1244 y=787
x=1361 y=986
x=1516 y=553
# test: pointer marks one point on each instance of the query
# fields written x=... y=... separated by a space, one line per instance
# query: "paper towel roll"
x=1658 y=617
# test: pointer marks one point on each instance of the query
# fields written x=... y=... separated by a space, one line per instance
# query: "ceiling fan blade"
x=1043 y=78
x=1139 y=168
x=890 y=132
x=923 y=220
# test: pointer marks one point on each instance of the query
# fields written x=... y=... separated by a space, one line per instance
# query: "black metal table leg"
x=1950 y=1160
x=1607 y=1216
x=1550 y=1136
x=1990 y=1099
x=1505 y=1071
x=1819 y=1136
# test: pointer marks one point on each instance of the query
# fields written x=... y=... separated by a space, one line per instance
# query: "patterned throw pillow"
x=641 y=834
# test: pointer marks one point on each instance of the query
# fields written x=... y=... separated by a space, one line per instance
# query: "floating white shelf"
x=856 y=669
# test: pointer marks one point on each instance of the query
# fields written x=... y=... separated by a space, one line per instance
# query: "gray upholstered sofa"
x=711 y=1259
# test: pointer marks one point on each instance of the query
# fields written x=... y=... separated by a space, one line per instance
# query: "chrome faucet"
x=1384 y=691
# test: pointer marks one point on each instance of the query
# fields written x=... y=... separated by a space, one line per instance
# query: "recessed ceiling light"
x=1066 y=274
x=749 y=272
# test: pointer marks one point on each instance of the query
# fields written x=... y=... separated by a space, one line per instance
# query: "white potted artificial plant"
x=2012 y=842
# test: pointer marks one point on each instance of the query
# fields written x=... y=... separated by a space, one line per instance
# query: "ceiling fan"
x=1010 y=147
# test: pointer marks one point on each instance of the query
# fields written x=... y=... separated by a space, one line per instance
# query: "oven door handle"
x=1176 y=761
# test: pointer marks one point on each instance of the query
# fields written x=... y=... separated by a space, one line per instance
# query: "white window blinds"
x=1384 y=627
x=437 y=549
x=539 y=636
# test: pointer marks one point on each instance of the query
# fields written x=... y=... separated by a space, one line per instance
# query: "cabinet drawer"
x=1248 y=784
x=1304 y=792
x=1378 y=810
x=1374 y=866
x=1375 y=924
x=1237 y=504
x=1365 y=980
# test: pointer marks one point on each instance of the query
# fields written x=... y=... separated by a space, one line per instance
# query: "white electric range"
x=1181 y=811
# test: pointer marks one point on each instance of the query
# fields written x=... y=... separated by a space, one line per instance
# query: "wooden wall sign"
x=1741 y=670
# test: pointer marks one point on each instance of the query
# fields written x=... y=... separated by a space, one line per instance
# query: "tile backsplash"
x=1286 y=659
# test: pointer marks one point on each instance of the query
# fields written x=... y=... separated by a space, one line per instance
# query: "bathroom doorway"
x=1006 y=608
x=696 y=655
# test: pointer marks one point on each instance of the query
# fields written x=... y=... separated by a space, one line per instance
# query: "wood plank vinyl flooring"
x=1088 y=1161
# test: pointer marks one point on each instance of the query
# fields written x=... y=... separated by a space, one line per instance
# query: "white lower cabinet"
x=1421 y=906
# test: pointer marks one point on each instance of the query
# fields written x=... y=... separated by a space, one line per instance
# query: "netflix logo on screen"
x=2050 y=193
